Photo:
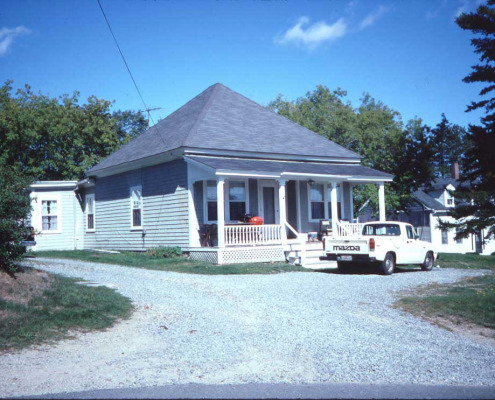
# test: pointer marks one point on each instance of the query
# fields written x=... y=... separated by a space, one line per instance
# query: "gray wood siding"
x=70 y=215
x=164 y=215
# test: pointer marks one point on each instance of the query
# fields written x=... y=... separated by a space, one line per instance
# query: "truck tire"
x=387 y=266
x=342 y=267
x=428 y=262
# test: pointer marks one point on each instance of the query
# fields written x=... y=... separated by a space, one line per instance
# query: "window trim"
x=50 y=197
x=131 y=189
x=90 y=196
x=326 y=200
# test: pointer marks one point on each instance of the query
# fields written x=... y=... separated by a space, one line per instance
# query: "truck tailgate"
x=342 y=246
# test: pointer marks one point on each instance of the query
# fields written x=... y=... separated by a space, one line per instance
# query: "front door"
x=269 y=209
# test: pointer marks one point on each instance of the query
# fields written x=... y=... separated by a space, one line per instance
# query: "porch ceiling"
x=288 y=169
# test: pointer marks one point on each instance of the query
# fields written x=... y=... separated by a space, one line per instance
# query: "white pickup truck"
x=384 y=243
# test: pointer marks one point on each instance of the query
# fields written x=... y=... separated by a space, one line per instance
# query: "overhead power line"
x=146 y=108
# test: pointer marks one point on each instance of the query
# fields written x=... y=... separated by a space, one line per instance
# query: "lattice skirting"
x=238 y=255
x=210 y=256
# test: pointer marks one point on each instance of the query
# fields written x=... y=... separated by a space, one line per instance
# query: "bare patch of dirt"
x=23 y=285
x=465 y=328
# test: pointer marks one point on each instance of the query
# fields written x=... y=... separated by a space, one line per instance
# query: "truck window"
x=409 y=231
x=381 y=230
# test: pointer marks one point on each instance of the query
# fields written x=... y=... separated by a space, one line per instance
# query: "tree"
x=59 y=138
x=373 y=130
x=414 y=169
x=475 y=199
x=15 y=208
x=449 y=145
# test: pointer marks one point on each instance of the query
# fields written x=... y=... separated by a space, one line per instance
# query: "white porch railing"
x=237 y=235
x=349 y=229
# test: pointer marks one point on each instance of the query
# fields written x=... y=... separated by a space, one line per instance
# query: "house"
x=189 y=180
x=429 y=206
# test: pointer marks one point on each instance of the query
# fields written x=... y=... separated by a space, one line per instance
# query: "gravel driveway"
x=292 y=327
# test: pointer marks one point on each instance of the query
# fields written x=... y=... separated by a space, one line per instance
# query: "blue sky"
x=408 y=54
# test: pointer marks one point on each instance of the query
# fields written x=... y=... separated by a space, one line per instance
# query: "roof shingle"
x=221 y=119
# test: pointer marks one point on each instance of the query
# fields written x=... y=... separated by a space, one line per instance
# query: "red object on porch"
x=256 y=221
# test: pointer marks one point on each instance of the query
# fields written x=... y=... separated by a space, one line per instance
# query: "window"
x=136 y=207
x=49 y=215
x=450 y=202
x=339 y=202
x=445 y=237
x=458 y=241
x=211 y=201
x=410 y=232
x=381 y=230
x=90 y=212
x=237 y=200
x=317 y=202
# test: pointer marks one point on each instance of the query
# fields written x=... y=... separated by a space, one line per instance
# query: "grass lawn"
x=466 y=261
x=37 y=307
x=471 y=300
x=152 y=260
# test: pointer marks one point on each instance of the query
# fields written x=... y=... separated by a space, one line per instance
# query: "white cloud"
x=371 y=18
x=8 y=35
x=313 y=35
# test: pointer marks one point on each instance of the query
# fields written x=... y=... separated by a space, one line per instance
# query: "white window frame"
x=131 y=189
x=227 y=197
x=205 y=201
x=41 y=197
x=326 y=200
x=325 y=214
x=92 y=197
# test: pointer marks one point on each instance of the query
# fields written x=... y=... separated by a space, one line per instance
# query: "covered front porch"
x=292 y=198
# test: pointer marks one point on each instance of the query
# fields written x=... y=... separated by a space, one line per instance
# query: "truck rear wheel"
x=428 y=262
x=342 y=267
x=387 y=266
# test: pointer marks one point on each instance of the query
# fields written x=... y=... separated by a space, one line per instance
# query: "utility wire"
x=128 y=69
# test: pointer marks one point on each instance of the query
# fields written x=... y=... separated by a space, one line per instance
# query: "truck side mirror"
x=416 y=237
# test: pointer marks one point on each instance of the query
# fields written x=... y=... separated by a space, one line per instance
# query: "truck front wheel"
x=387 y=266
x=428 y=262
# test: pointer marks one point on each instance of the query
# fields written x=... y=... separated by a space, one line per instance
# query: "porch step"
x=315 y=257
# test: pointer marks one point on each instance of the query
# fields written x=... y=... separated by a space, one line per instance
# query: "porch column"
x=334 y=205
x=282 y=207
x=381 y=201
x=220 y=211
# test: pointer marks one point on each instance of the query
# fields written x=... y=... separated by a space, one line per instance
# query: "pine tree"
x=475 y=208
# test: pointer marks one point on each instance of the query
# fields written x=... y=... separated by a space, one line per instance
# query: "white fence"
x=349 y=229
x=253 y=234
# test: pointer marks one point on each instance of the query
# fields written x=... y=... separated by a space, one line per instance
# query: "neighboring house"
x=198 y=172
x=431 y=205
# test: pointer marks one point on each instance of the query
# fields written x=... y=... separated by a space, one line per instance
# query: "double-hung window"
x=90 y=212
x=237 y=200
x=211 y=201
x=136 y=207
x=317 y=201
x=49 y=216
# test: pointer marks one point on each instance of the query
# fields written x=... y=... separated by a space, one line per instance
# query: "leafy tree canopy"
x=372 y=130
x=14 y=211
x=60 y=138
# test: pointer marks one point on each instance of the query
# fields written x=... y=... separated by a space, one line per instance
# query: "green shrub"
x=163 y=252
x=15 y=207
